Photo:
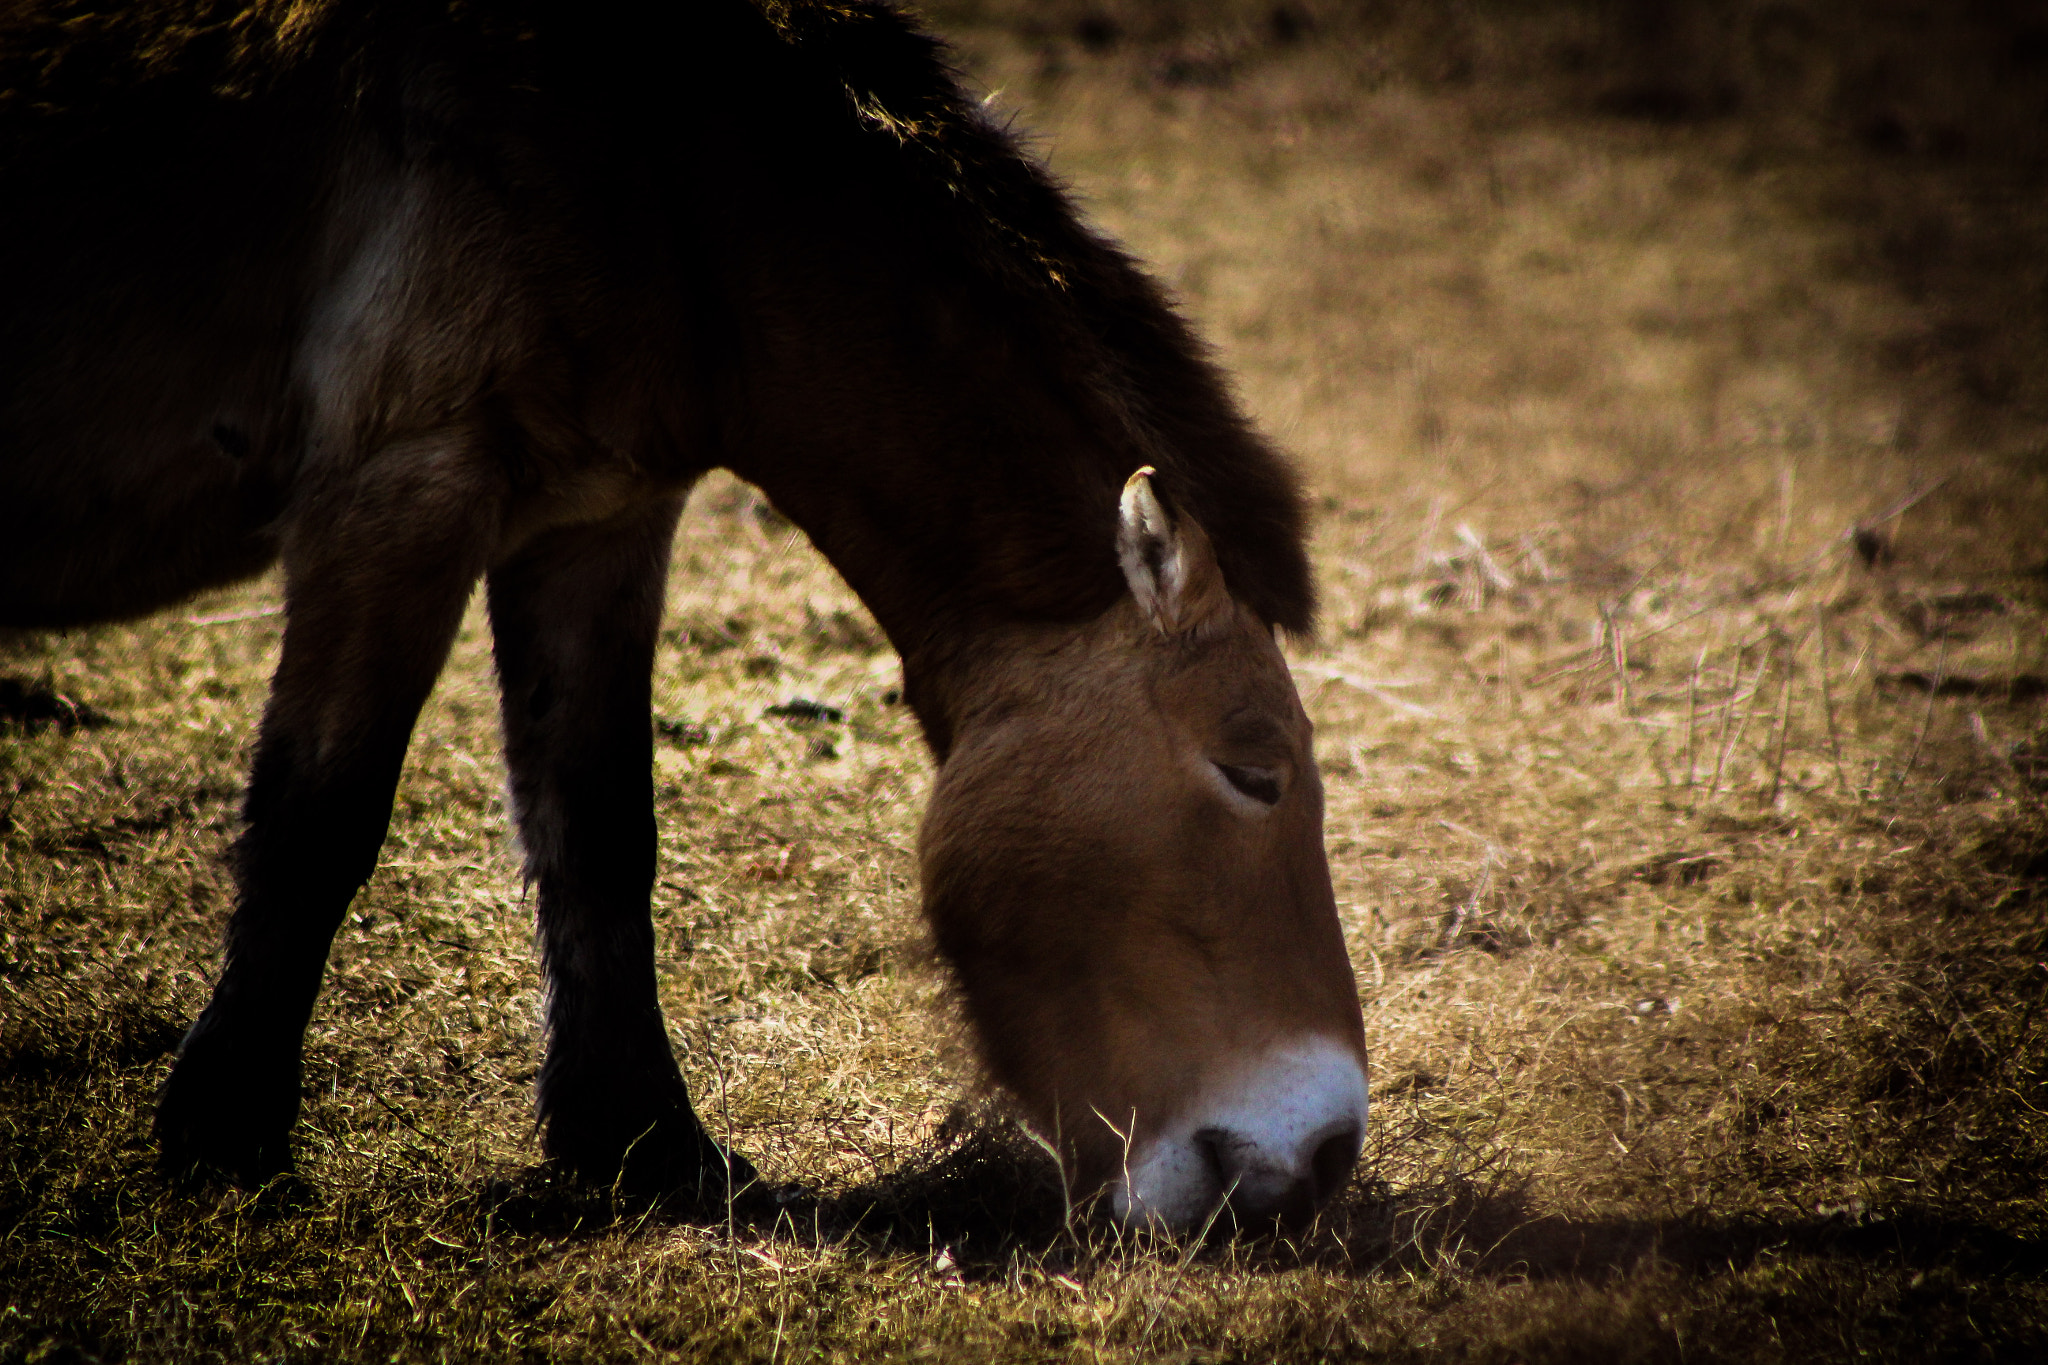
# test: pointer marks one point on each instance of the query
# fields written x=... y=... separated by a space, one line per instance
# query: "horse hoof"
x=700 y=1172
x=207 y=1152
x=224 y=1118
x=672 y=1158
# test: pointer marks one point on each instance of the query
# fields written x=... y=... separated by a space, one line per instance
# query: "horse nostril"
x=1333 y=1160
x=1269 y=1146
x=1215 y=1146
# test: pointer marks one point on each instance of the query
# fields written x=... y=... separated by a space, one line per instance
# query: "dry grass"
x=1679 y=700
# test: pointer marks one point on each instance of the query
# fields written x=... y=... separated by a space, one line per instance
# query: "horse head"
x=1123 y=863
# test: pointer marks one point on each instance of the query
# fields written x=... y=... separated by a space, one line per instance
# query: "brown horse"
x=405 y=294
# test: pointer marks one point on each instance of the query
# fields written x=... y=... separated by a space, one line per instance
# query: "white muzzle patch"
x=1275 y=1141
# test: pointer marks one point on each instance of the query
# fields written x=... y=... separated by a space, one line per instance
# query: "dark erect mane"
x=1116 y=331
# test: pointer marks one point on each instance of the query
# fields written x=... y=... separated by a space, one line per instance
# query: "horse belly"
x=145 y=429
x=91 y=535
x=154 y=273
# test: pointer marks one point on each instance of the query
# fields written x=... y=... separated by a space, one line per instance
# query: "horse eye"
x=1260 y=784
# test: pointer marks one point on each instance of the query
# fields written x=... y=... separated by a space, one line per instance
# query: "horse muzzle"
x=1269 y=1146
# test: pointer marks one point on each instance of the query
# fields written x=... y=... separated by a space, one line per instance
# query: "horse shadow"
x=980 y=1201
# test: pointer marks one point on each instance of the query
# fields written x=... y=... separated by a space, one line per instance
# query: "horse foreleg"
x=574 y=619
x=373 y=596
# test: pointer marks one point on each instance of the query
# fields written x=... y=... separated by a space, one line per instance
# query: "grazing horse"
x=405 y=294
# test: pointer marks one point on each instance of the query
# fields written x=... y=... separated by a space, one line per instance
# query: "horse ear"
x=1171 y=570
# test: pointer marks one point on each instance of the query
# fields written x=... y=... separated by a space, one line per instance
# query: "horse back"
x=232 y=274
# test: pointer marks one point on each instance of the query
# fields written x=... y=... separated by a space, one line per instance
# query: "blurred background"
x=1742 y=268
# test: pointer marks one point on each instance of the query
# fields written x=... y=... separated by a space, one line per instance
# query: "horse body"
x=407 y=298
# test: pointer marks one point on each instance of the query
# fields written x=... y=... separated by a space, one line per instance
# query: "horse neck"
x=930 y=365
x=961 y=483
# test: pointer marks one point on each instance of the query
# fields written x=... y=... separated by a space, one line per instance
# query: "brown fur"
x=1119 y=932
x=408 y=294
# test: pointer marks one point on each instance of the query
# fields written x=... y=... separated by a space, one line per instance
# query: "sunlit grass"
x=1691 y=857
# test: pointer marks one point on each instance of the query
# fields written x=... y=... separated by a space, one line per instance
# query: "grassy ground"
x=1674 y=400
